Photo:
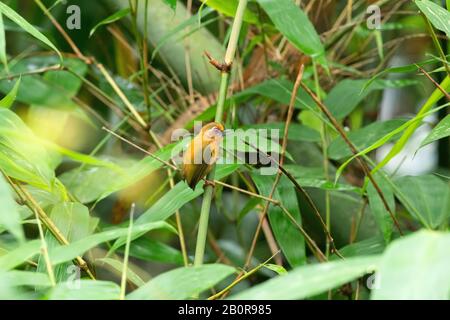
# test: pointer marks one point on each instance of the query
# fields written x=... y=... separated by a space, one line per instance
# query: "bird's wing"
x=198 y=171
x=194 y=172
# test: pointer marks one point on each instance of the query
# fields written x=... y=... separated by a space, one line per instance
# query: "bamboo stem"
x=206 y=204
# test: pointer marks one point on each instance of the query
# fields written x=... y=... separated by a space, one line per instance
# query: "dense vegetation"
x=357 y=205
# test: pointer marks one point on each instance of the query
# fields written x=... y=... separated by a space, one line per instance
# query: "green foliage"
x=427 y=198
x=381 y=214
x=437 y=15
x=288 y=236
x=229 y=8
x=182 y=283
x=294 y=24
x=21 y=22
x=347 y=94
x=441 y=131
x=363 y=138
x=85 y=290
x=9 y=99
x=58 y=164
x=307 y=281
x=10 y=218
x=415 y=267
x=19 y=255
x=110 y=19
x=21 y=155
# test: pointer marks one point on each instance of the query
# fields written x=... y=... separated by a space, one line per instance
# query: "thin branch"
x=361 y=162
x=278 y=176
x=437 y=85
x=242 y=277
x=33 y=72
x=305 y=194
x=140 y=149
x=33 y=205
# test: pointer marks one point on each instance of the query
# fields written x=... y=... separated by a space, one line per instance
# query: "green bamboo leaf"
x=173 y=200
x=362 y=138
x=118 y=267
x=382 y=216
x=371 y=246
x=310 y=280
x=438 y=16
x=94 y=183
x=401 y=69
x=21 y=155
x=314 y=177
x=348 y=94
x=182 y=283
x=19 y=255
x=151 y=250
x=15 y=17
x=26 y=278
x=78 y=248
x=9 y=214
x=229 y=7
x=171 y=3
x=249 y=206
x=441 y=131
x=288 y=236
x=429 y=196
x=112 y=18
x=9 y=99
x=432 y=100
x=85 y=290
x=276 y=268
x=73 y=221
x=415 y=267
x=294 y=24
x=54 y=89
x=403 y=128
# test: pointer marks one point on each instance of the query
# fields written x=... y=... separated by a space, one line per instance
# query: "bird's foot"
x=209 y=183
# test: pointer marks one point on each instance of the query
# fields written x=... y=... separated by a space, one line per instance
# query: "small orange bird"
x=202 y=153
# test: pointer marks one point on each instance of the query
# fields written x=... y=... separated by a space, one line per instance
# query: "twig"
x=311 y=243
x=242 y=277
x=63 y=32
x=361 y=162
x=140 y=149
x=121 y=95
x=275 y=202
x=33 y=72
x=434 y=82
x=33 y=205
x=305 y=194
x=278 y=176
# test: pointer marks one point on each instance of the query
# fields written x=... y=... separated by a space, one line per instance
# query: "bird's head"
x=212 y=132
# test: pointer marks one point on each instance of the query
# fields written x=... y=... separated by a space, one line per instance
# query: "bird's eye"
x=214 y=132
